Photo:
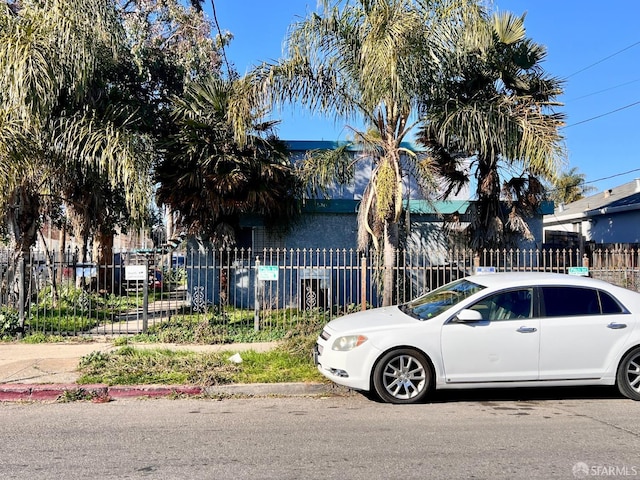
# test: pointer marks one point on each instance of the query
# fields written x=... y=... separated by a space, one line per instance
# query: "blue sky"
x=593 y=45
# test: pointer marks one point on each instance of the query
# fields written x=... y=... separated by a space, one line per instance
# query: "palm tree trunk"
x=104 y=246
x=390 y=248
x=51 y=268
x=62 y=253
x=488 y=226
x=22 y=221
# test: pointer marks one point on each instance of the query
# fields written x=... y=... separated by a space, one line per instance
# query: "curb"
x=276 y=389
x=103 y=393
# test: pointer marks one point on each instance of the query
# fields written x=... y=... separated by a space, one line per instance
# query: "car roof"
x=515 y=279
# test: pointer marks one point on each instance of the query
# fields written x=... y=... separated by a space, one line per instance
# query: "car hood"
x=370 y=320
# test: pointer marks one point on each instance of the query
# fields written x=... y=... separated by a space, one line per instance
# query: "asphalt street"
x=550 y=434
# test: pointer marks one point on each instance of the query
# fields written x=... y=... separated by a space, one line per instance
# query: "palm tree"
x=570 y=186
x=361 y=59
x=50 y=53
x=496 y=107
x=211 y=174
x=168 y=45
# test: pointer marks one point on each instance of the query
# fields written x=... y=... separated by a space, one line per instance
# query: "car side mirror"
x=466 y=316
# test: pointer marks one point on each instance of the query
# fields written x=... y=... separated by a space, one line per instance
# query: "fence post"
x=21 y=294
x=363 y=281
x=585 y=261
x=256 y=302
x=145 y=297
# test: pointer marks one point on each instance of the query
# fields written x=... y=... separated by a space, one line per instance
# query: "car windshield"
x=433 y=303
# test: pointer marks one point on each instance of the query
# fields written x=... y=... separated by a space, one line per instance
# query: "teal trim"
x=423 y=207
x=307 y=145
x=330 y=206
x=249 y=220
x=459 y=206
x=419 y=207
x=546 y=208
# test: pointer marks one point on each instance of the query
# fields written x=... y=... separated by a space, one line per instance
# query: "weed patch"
x=130 y=366
x=80 y=394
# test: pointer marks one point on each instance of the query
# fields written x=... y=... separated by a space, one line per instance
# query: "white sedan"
x=487 y=331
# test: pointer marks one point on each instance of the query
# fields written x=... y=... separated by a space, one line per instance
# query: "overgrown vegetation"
x=80 y=394
x=129 y=365
x=40 y=337
x=231 y=326
x=290 y=361
x=9 y=323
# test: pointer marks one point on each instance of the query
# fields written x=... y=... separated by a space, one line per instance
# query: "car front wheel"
x=628 y=377
x=402 y=376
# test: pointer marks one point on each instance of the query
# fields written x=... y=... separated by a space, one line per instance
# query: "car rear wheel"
x=402 y=376
x=628 y=377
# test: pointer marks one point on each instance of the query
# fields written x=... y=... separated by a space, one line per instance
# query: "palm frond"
x=509 y=28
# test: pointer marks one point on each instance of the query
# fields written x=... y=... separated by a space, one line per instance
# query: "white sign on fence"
x=481 y=270
x=135 y=272
x=86 y=272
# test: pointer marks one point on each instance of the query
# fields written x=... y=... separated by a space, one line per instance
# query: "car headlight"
x=349 y=342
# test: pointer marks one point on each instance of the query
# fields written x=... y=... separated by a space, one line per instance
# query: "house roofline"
x=609 y=210
x=554 y=218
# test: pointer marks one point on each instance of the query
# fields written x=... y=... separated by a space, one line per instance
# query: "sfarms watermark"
x=583 y=470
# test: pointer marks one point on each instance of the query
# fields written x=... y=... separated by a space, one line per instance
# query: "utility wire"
x=604 y=59
x=602 y=115
x=593 y=65
x=583 y=183
x=611 y=176
x=224 y=53
x=602 y=91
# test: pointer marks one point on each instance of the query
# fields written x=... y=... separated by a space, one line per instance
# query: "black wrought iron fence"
x=267 y=289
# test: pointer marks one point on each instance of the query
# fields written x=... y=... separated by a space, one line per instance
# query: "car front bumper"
x=351 y=369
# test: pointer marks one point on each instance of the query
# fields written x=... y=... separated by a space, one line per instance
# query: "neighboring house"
x=609 y=217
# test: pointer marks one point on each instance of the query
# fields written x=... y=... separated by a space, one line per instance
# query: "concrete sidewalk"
x=45 y=371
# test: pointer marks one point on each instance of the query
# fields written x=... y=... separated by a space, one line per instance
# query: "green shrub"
x=9 y=323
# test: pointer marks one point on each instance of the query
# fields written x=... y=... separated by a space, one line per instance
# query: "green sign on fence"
x=581 y=271
x=268 y=272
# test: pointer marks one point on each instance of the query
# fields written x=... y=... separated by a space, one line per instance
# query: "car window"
x=609 y=304
x=507 y=305
x=567 y=301
x=433 y=303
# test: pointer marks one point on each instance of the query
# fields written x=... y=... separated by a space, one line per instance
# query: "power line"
x=611 y=176
x=604 y=59
x=583 y=183
x=603 y=90
x=603 y=114
x=224 y=53
x=598 y=179
x=584 y=96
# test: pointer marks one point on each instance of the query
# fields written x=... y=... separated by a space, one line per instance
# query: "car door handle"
x=527 y=330
x=616 y=326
